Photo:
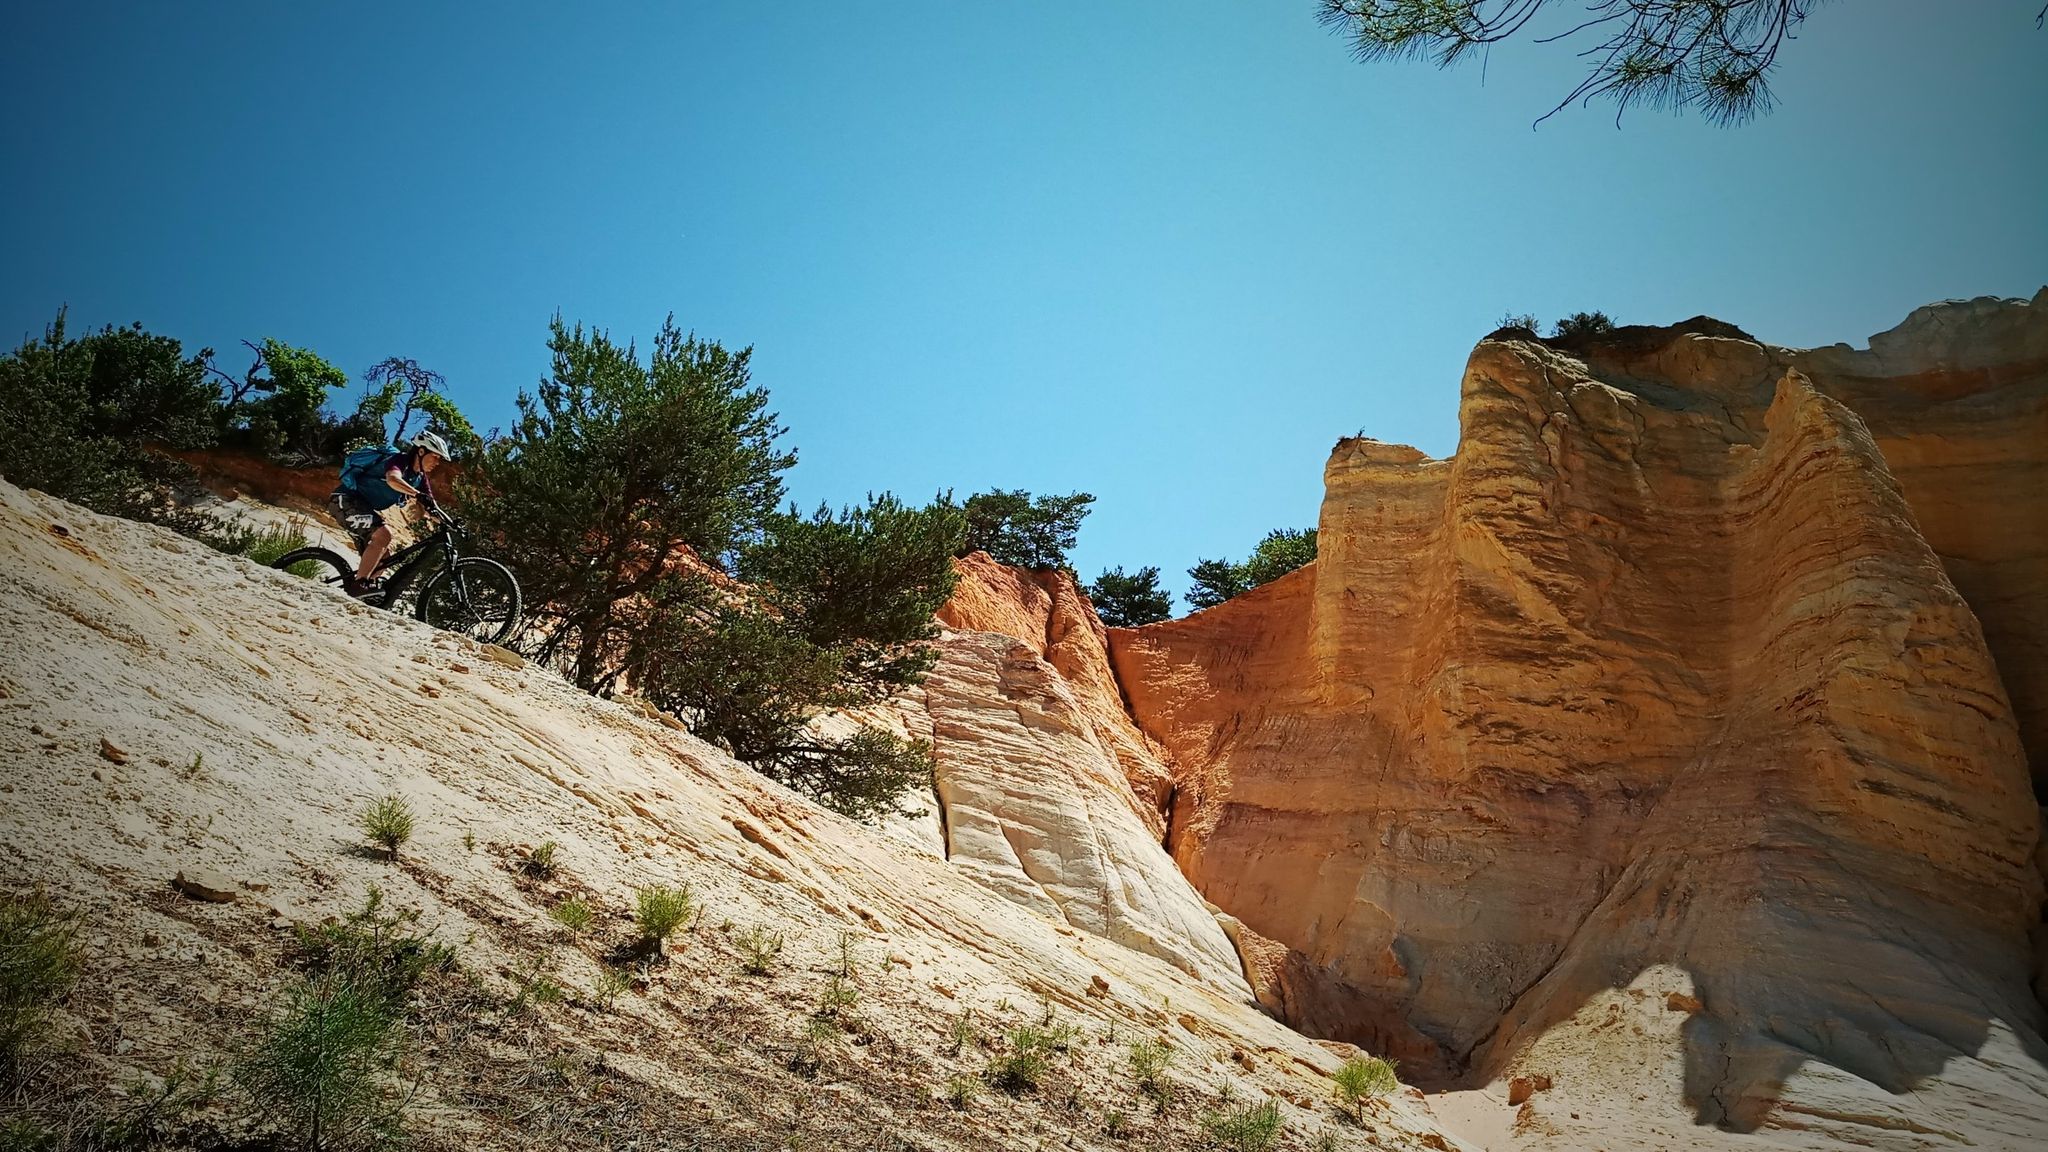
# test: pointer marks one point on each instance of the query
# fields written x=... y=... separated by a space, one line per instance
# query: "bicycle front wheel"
x=474 y=596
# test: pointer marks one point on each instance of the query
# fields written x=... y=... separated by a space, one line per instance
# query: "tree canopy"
x=1019 y=529
x=79 y=416
x=615 y=471
x=1282 y=551
x=1126 y=600
x=1714 y=57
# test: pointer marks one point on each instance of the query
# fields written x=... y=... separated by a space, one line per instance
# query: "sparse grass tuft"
x=838 y=1001
x=321 y=1067
x=611 y=984
x=572 y=913
x=660 y=910
x=1148 y=1060
x=1364 y=1078
x=1031 y=1047
x=963 y=1031
x=541 y=863
x=39 y=962
x=536 y=988
x=962 y=1090
x=1242 y=1127
x=1326 y=1141
x=388 y=822
x=759 y=950
x=468 y=840
x=1116 y=1124
x=820 y=1037
x=190 y=773
x=849 y=954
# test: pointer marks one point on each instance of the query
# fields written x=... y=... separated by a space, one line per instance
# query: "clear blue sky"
x=1165 y=253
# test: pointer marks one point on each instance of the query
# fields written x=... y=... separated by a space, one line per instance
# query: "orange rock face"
x=1048 y=614
x=1667 y=685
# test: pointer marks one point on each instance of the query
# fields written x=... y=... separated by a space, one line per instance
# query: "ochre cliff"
x=1681 y=698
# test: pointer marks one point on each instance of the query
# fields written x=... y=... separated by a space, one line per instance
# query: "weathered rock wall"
x=1659 y=673
x=1048 y=793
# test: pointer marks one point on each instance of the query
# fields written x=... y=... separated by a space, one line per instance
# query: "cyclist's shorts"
x=357 y=518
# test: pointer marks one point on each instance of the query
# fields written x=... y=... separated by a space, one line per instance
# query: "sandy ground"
x=166 y=709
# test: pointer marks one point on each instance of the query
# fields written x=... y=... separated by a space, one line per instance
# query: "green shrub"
x=617 y=466
x=378 y=952
x=1582 y=324
x=321 y=1069
x=268 y=545
x=1242 y=1127
x=759 y=950
x=1148 y=1061
x=1211 y=582
x=572 y=913
x=79 y=416
x=660 y=910
x=1029 y=1057
x=388 y=822
x=1523 y=320
x=1364 y=1078
x=541 y=863
x=751 y=681
x=962 y=1090
x=39 y=962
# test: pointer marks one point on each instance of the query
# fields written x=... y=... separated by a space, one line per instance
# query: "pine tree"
x=1127 y=600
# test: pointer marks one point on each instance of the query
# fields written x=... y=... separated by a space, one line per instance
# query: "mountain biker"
x=363 y=494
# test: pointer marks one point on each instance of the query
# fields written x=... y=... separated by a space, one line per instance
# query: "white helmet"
x=434 y=444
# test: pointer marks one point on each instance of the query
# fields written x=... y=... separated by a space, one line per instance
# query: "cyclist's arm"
x=396 y=479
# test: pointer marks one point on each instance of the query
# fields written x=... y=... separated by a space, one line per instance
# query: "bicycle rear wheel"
x=474 y=596
x=316 y=564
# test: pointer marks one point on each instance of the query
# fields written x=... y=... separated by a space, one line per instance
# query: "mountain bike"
x=473 y=595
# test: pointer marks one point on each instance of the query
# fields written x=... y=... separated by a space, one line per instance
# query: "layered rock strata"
x=1048 y=795
x=1665 y=679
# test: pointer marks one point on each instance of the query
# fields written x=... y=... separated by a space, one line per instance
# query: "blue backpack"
x=362 y=470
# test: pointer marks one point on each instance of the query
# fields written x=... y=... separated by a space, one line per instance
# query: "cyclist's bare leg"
x=373 y=552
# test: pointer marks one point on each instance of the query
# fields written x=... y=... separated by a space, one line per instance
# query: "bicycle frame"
x=415 y=559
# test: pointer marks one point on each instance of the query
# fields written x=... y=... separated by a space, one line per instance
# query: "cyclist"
x=379 y=481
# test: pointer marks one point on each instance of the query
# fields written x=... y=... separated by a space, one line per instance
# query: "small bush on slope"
x=660 y=910
x=322 y=1066
x=1364 y=1078
x=388 y=822
x=1242 y=1127
x=39 y=962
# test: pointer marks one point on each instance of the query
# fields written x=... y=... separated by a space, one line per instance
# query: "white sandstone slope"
x=248 y=717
